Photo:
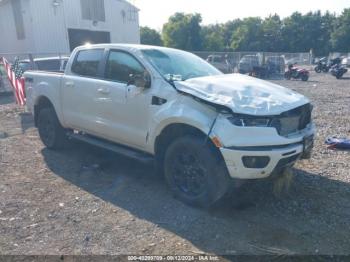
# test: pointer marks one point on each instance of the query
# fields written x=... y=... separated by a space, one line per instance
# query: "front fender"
x=183 y=110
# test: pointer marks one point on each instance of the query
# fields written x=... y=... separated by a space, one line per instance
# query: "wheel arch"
x=176 y=130
x=40 y=103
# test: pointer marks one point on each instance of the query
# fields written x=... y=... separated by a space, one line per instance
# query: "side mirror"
x=140 y=80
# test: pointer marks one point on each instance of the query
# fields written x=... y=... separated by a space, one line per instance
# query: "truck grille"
x=292 y=121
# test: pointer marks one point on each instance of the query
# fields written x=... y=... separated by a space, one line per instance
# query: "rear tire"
x=318 y=69
x=52 y=134
x=195 y=172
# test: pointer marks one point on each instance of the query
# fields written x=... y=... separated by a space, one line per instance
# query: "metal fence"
x=247 y=62
x=338 y=54
x=235 y=57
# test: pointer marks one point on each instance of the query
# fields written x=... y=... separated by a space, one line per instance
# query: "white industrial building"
x=58 y=26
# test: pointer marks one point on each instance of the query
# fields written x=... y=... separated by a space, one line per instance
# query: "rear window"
x=49 y=65
x=87 y=62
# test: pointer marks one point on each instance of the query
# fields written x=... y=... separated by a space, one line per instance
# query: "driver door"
x=127 y=124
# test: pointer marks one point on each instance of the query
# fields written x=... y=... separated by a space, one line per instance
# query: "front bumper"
x=239 y=143
x=280 y=158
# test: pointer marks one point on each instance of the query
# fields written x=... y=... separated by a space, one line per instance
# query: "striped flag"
x=14 y=74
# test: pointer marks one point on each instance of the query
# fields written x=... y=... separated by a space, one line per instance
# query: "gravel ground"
x=89 y=201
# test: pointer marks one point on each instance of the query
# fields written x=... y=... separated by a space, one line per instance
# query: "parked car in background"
x=203 y=129
x=248 y=63
x=53 y=64
x=221 y=62
x=275 y=65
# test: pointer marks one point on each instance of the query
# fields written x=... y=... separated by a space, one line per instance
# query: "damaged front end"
x=263 y=128
x=287 y=123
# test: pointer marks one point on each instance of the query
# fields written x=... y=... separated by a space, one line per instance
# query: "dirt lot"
x=89 y=201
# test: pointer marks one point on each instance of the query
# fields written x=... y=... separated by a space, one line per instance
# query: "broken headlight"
x=250 y=121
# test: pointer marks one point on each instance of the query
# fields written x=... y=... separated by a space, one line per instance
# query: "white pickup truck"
x=203 y=129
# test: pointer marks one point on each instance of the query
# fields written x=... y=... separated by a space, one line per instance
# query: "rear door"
x=80 y=102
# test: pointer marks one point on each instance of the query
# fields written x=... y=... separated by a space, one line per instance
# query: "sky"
x=154 y=13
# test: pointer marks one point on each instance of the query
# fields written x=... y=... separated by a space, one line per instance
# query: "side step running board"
x=123 y=150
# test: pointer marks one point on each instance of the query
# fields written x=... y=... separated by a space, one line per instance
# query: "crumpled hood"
x=243 y=94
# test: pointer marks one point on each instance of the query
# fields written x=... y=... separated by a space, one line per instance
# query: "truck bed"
x=42 y=82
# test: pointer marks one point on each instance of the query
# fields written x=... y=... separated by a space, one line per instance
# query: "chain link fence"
x=267 y=63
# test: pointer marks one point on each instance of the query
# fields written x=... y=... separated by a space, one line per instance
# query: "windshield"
x=176 y=65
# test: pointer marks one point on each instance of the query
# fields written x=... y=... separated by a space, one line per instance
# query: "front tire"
x=195 y=172
x=52 y=134
x=304 y=78
x=318 y=69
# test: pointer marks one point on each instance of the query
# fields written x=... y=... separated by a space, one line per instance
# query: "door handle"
x=104 y=91
x=69 y=84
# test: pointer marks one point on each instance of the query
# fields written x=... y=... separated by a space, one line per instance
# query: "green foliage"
x=301 y=33
x=341 y=33
x=213 y=38
x=248 y=35
x=183 y=31
x=228 y=29
x=315 y=31
x=293 y=33
x=150 y=36
x=271 y=34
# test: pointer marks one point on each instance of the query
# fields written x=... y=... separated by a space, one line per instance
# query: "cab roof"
x=124 y=46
